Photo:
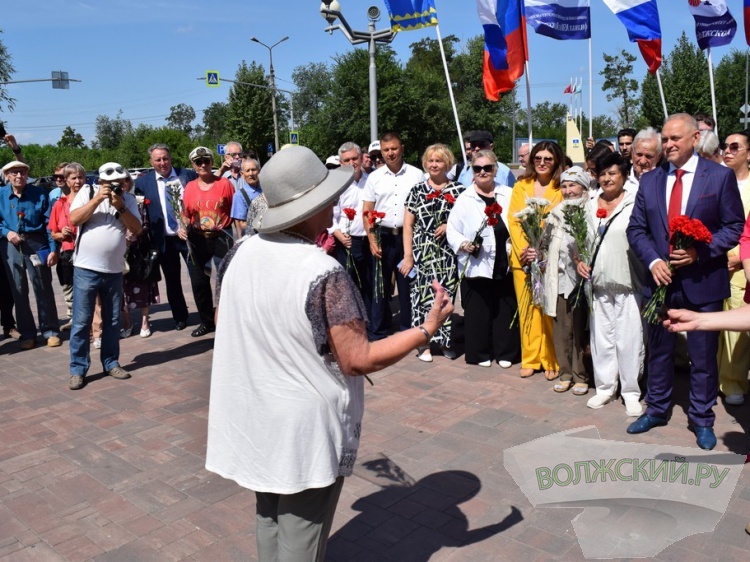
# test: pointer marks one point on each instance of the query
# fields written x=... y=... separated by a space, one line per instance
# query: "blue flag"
x=714 y=24
x=560 y=19
x=411 y=14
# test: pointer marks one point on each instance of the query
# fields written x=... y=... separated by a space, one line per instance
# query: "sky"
x=143 y=56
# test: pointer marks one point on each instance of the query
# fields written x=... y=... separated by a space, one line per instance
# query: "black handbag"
x=143 y=260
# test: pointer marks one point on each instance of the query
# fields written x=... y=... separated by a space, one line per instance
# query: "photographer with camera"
x=103 y=215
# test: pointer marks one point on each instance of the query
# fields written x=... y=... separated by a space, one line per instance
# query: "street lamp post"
x=273 y=88
x=331 y=11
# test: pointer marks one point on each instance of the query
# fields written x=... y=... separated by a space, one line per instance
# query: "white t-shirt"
x=282 y=416
x=101 y=239
x=389 y=191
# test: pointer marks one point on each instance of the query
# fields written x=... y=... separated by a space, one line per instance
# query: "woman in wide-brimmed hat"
x=286 y=388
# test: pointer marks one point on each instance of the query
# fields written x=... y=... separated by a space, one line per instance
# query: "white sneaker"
x=487 y=363
x=633 y=407
x=426 y=356
x=735 y=399
x=98 y=343
x=146 y=333
x=596 y=402
x=505 y=364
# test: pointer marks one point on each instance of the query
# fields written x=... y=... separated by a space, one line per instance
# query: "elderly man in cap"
x=103 y=215
x=482 y=140
x=27 y=248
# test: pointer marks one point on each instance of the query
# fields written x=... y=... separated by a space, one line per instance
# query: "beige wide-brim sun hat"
x=296 y=185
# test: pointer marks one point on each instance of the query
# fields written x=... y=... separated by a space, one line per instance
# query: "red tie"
x=675 y=200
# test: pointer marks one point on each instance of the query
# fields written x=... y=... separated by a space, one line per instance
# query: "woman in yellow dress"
x=542 y=179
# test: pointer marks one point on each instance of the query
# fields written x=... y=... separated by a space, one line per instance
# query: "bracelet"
x=426 y=333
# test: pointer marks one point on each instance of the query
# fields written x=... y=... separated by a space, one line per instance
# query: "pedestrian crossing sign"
x=212 y=79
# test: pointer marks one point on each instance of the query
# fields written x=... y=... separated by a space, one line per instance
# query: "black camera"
x=116 y=188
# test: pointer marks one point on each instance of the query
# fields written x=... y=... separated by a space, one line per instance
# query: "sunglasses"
x=57 y=177
x=487 y=168
x=733 y=147
x=545 y=159
x=234 y=154
x=202 y=161
x=110 y=171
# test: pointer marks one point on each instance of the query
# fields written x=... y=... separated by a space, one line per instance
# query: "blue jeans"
x=87 y=284
x=18 y=264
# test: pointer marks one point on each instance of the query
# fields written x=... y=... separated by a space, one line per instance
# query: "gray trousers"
x=295 y=527
x=570 y=342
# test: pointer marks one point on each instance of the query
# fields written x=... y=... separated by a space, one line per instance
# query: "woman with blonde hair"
x=426 y=251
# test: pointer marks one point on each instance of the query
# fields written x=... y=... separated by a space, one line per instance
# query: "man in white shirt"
x=103 y=215
x=230 y=168
x=385 y=191
x=352 y=245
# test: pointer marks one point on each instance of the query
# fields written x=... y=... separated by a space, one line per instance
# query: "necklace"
x=298 y=236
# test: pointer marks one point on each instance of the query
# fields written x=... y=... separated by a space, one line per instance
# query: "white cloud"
x=185 y=29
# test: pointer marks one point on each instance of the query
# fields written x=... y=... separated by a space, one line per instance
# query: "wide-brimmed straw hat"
x=297 y=185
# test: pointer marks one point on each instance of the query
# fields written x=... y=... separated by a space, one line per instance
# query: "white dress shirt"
x=161 y=186
x=687 y=181
x=351 y=198
x=389 y=191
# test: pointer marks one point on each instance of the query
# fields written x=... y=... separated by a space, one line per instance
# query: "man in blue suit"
x=698 y=278
x=164 y=224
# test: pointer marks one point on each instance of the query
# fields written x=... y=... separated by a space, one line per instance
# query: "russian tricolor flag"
x=641 y=19
x=505 y=47
x=747 y=21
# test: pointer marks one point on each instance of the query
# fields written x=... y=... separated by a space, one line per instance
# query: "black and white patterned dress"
x=433 y=258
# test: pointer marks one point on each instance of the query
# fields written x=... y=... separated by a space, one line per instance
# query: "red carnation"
x=434 y=194
x=365 y=214
x=21 y=214
x=494 y=209
x=147 y=201
x=350 y=213
x=378 y=214
x=601 y=213
x=492 y=221
x=448 y=197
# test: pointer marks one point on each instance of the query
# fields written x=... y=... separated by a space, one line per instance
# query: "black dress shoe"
x=180 y=326
x=646 y=423
x=202 y=330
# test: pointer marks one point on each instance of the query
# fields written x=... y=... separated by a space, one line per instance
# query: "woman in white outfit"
x=487 y=293
x=616 y=328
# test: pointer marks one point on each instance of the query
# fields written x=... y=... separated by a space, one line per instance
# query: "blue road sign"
x=220 y=149
x=212 y=78
x=293 y=137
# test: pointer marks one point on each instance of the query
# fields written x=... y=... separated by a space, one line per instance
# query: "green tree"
x=214 y=122
x=110 y=132
x=70 y=138
x=6 y=73
x=249 y=117
x=684 y=75
x=618 y=80
x=730 y=92
x=313 y=83
x=181 y=117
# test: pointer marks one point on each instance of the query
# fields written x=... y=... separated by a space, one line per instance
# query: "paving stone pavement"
x=114 y=472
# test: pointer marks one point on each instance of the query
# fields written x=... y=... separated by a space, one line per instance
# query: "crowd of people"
x=570 y=271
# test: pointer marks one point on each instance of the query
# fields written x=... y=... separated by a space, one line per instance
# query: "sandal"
x=580 y=388
x=562 y=386
x=551 y=375
x=526 y=372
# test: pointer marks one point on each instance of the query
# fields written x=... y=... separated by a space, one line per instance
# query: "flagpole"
x=450 y=93
x=591 y=93
x=713 y=91
x=661 y=93
x=528 y=103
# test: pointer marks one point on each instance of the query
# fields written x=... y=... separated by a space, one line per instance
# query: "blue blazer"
x=146 y=184
x=715 y=200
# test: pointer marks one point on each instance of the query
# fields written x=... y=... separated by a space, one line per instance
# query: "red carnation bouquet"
x=350 y=214
x=684 y=232
x=492 y=214
x=375 y=218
